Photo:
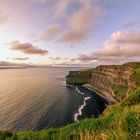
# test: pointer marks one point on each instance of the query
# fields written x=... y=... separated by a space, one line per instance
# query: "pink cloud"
x=27 y=48
x=81 y=22
x=51 y=32
x=120 y=47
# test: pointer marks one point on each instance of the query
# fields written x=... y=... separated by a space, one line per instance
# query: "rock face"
x=113 y=82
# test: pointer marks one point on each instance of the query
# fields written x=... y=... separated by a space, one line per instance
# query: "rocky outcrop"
x=113 y=81
x=79 y=77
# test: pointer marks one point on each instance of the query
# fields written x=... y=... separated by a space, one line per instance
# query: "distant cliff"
x=79 y=77
x=113 y=82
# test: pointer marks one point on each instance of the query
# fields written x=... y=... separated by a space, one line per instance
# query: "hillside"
x=119 y=121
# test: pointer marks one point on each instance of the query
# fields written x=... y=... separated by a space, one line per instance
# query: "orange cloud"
x=122 y=46
x=73 y=36
x=20 y=59
x=126 y=37
x=27 y=48
x=81 y=22
x=122 y=43
x=51 y=32
x=76 y=23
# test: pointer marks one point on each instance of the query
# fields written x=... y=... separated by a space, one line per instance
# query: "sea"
x=38 y=98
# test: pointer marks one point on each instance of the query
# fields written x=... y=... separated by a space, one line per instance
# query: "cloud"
x=72 y=36
x=122 y=46
x=81 y=22
x=55 y=58
x=51 y=32
x=61 y=7
x=121 y=43
x=3 y=18
x=84 y=57
x=126 y=37
x=27 y=48
x=20 y=59
x=7 y=64
x=130 y=24
x=77 y=18
x=65 y=58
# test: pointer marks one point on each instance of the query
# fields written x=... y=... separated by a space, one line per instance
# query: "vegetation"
x=79 y=77
x=134 y=64
x=136 y=76
x=120 y=91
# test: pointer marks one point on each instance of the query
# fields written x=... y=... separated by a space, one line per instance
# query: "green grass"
x=120 y=91
x=134 y=64
x=136 y=76
x=82 y=77
x=118 y=122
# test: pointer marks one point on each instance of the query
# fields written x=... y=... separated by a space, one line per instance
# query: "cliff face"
x=113 y=82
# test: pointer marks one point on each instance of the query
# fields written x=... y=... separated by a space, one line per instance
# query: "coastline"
x=110 y=99
x=91 y=101
x=81 y=107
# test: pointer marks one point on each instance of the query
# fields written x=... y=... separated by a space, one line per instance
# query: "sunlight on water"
x=36 y=98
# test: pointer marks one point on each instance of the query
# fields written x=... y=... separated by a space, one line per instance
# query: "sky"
x=69 y=32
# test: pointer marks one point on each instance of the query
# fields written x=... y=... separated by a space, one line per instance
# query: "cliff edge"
x=113 y=82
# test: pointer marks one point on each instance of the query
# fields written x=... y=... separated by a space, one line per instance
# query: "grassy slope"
x=120 y=91
x=118 y=122
x=136 y=76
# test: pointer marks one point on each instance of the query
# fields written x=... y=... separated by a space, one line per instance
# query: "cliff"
x=79 y=77
x=113 y=82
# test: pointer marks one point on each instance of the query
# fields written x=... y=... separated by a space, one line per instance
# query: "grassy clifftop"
x=79 y=77
x=120 y=121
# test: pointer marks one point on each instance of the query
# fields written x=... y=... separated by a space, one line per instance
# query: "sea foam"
x=81 y=107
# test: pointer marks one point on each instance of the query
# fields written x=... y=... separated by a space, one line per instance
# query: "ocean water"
x=37 y=98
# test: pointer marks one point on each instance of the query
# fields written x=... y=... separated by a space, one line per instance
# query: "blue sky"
x=69 y=32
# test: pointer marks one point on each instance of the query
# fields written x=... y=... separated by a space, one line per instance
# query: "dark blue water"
x=37 y=98
x=94 y=105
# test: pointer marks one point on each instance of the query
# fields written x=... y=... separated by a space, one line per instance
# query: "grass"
x=120 y=91
x=81 y=77
x=134 y=64
x=118 y=122
x=136 y=76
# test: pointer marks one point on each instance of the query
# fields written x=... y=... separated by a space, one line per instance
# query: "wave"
x=79 y=91
x=70 y=86
x=63 y=83
x=81 y=107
